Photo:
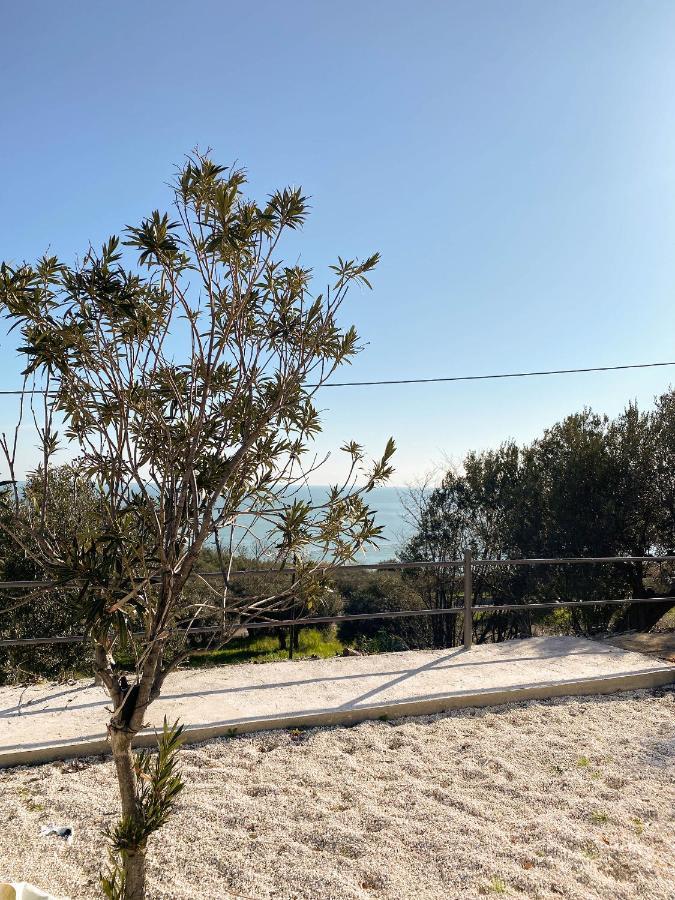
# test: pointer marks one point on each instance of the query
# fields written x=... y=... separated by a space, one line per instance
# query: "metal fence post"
x=468 y=598
x=291 y=628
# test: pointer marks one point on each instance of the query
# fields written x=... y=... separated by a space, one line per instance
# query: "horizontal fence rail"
x=386 y=566
x=357 y=617
x=468 y=609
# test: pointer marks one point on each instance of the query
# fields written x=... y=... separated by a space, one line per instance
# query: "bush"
x=382 y=592
x=70 y=503
x=382 y=642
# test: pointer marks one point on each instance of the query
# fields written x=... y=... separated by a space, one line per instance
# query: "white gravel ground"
x=571 y=798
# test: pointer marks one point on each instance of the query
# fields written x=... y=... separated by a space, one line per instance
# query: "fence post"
x=468 y=597
x=291 y=628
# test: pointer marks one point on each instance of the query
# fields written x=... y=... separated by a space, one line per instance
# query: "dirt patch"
x=659 y=644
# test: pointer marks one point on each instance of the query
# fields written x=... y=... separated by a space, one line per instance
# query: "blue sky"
x=513 y=162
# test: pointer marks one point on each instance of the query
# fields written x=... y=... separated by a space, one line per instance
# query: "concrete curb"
x=97 y=744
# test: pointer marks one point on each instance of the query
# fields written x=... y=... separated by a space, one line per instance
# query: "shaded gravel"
x=571 y=798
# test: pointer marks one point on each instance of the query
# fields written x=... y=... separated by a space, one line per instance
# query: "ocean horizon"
x=385 y=503
x=389 y=513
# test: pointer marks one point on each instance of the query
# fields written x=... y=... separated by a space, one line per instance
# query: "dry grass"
x=566 y=798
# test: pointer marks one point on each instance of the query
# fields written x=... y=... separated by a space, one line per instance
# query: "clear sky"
x=513 y=162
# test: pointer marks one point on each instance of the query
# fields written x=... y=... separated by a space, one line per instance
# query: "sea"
x=385 y=502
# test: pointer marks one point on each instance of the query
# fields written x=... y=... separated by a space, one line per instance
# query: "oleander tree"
x=177 y=368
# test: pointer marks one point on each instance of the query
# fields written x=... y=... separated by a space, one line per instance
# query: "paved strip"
x=46 y=722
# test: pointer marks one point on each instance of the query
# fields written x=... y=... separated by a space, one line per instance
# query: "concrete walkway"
x=46 y=722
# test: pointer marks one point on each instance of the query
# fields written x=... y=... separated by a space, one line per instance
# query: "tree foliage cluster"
x=589 y=486
x=31 y=614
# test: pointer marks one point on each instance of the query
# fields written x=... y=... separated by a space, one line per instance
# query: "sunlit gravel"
x=571 y=798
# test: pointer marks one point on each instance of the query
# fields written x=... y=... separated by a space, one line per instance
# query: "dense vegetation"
x=589 y=486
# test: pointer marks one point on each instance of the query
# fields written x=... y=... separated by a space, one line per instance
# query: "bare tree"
x=182 y=372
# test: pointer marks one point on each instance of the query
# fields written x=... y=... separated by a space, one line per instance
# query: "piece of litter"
x=65 y=832
x=21 y=890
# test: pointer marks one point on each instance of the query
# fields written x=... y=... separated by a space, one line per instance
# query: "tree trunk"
x=134 y=875
x=643 y=616
x=133 y=860
x=438 y=621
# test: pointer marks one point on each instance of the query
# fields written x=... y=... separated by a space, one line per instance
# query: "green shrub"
x=382 y=592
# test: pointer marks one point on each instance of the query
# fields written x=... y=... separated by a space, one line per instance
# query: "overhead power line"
x=487 y=377
x=652 y=365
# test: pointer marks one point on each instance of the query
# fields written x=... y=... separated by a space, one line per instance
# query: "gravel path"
x=571 y=798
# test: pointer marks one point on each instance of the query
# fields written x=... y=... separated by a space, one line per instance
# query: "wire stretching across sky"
x=652 y=365
x=327 y=384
